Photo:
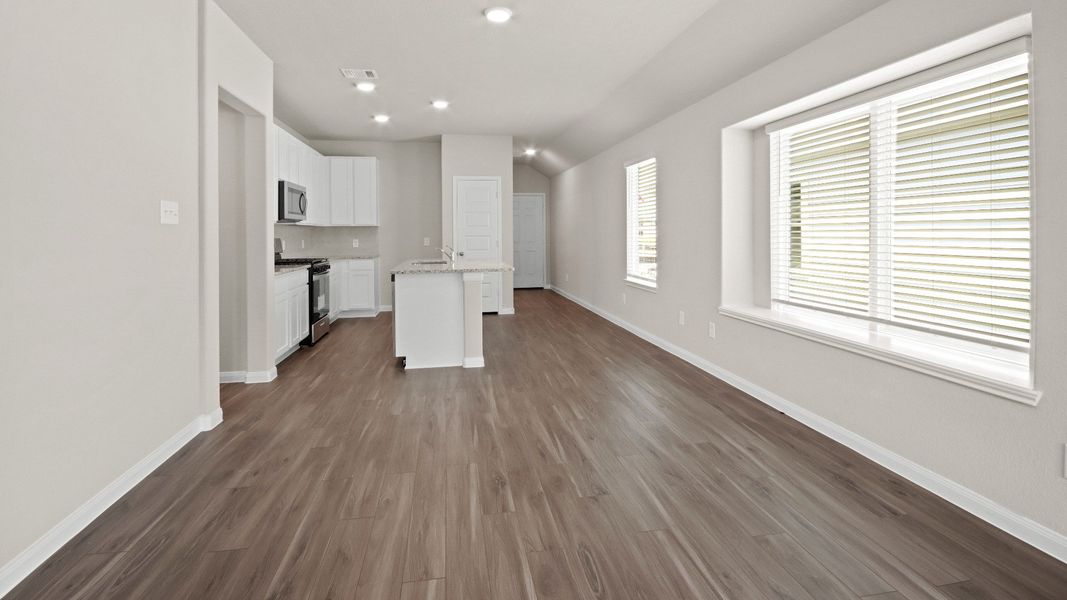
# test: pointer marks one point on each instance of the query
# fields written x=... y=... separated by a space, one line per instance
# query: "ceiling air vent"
x=359 y=74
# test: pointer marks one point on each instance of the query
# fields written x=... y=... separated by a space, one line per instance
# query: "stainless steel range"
x=319 y=290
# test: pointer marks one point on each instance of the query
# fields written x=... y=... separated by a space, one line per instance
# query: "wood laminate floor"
x=580 y=463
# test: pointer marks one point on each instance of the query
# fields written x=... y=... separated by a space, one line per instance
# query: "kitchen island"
x=437 y=312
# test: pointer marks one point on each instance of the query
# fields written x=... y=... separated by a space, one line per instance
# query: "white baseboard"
x=474 y=363
x=232 y=376
x=360 y=314
x=506 y=311
x=385 y=308
x=1037 y=535
x=211 y=420
x=262 y=376
x=32 y=557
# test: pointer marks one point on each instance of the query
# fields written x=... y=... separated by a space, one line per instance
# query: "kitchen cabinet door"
x=341 y=190
x=337 y=287
x=359 y=289
x=281 y=324
x=301 y=314
x=279 y=154
x=365 y=190
x=318 y=194
x=294 y=160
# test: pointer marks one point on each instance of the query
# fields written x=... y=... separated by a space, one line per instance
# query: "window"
x=911 y=212
x=641 y=223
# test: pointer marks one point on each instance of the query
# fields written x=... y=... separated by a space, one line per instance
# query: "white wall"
x=235 y=71
x=410 y=206
x=99 y=364
x=481 y=155
x=1008 y=452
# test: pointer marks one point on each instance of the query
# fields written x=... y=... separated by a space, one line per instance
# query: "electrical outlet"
x=168 y=212
x=425 y=241
x=566 y=277
x=711 y=329
x=681 y=317
x=355 y=242
x=624 y=297
x=301 y=244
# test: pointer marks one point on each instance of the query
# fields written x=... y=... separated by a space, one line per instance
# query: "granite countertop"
x=409 y=267
x=334 y=255
x=283 y=269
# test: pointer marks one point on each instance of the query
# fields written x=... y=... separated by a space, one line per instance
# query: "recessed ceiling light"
x=381 y=118
x=440 y=104
x=366 y=86
x=531 y=151
x=498 y=14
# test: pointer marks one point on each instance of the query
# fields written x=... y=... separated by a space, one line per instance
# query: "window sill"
x=1011 y=380
x=640 y=284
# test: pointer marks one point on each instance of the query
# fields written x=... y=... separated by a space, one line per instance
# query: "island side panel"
x=428 y=319
x=472 y=320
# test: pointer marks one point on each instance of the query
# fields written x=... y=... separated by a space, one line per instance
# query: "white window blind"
x=913 y=209
x=641 y=222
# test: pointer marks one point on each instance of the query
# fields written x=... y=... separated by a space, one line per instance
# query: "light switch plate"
x=355 y=242
x=681 y=317
x=168 y=212
x=711 y=329
x=425 y=241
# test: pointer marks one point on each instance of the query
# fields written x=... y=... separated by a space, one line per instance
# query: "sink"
x=429 y=262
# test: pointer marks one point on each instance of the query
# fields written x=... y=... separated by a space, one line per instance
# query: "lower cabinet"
x=354 y=287
x=291 y=312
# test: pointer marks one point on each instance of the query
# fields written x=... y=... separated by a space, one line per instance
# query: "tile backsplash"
x=324 y=241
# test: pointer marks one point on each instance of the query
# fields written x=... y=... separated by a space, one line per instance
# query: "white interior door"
x=529 y=232
x=476 y=229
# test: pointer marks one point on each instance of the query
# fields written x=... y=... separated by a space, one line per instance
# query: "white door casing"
x=476 y=228
x=529 y=242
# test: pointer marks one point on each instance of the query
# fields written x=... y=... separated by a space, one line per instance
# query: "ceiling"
x=550 y=77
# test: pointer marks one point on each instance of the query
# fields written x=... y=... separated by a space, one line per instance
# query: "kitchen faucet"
x=449 y=252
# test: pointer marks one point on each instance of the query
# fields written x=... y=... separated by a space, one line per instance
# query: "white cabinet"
x=318 y=190
x=281 y=324
x=341 y=185
x=365 y=191
x=359 y=290
x=291 y=312
x=354 y=287
x=299 y=163
x=341 y=190
x=354 y=190
x=336 y=289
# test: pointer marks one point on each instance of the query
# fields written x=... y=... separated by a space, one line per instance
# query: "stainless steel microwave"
x=292 y=202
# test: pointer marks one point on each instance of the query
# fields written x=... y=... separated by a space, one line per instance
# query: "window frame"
x=631 y=278
x=1004 y=373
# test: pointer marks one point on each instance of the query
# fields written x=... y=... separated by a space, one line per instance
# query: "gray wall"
x=487 y=155
x=100 y=300
x=233 y=310
x=1006 y=451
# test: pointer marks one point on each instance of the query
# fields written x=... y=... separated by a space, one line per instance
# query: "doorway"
x=530 y=244
x=476 y=229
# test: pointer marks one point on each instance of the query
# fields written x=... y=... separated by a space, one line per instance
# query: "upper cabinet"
x=318 y=189
x=341 y=190
x=353 y=190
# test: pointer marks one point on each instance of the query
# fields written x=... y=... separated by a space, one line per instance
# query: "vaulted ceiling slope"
x=569 y=76
x=731 y=40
